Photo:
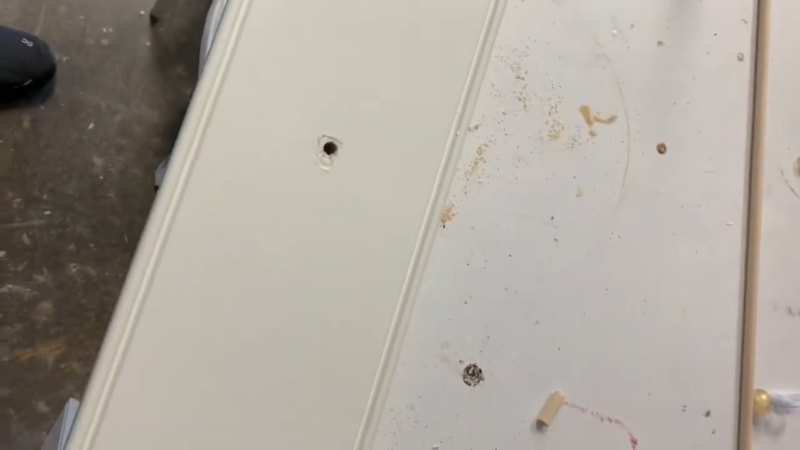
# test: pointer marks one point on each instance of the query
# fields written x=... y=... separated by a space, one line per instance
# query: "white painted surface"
x=257 y=310
x=777 y=365
x=594 y=265
x=590 y=264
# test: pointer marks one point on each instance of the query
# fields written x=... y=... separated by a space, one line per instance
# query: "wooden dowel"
x=754 y=207
x=549 y=410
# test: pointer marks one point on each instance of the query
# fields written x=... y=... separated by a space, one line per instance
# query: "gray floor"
x=80 y=189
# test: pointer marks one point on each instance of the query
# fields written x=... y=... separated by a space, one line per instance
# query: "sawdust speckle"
x=448 y=214
x=477 y=162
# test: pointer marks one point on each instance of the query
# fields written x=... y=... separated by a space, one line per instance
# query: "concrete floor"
x=81 y=186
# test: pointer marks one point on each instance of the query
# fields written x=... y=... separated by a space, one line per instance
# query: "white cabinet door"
x=302 y=195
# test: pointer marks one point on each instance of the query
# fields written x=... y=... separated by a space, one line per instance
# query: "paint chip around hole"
x=329 y=150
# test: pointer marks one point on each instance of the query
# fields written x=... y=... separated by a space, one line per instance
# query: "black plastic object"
x=26 y=64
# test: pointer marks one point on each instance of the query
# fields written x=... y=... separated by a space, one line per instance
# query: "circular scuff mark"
x=472 y=375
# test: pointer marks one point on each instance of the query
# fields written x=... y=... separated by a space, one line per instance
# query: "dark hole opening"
x=330 y=148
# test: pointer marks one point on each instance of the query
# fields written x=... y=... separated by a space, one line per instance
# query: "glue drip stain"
x=634 y=441
x=591 y=119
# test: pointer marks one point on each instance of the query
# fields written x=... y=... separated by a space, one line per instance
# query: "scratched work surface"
x=593 y=238
x=778 y=326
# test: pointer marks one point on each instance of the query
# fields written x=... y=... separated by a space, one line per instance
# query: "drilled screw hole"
x=330 y=148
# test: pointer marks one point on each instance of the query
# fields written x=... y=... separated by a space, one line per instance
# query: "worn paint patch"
x=43 y=312
x=634 y=441
x=19 y=290
x=47 y=351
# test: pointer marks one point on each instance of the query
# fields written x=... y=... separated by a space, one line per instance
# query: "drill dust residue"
x=524 y=98
x=477 y=162
x=520 y=88
x=555 y=130
x=634 y=441
x=554 y=125
x=448 y=214
x=591 y=119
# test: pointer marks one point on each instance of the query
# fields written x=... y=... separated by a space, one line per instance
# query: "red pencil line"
x=606 y=419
